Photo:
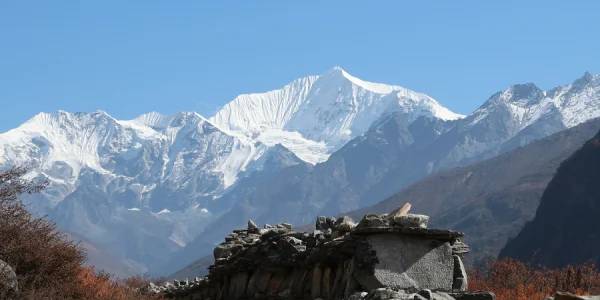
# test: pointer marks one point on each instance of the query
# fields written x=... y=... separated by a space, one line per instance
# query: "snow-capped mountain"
x=155 y=181
x=316 y=115
x=398 y=150
x=147 y=154
x=147 y=181
x=145 y=188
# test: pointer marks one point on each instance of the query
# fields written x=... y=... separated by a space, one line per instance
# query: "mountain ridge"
x=379 y=163
x=182 y=172
x=489 y=200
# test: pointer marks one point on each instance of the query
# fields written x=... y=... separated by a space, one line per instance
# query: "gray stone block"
x=460 y=283
x=411 y=263
x=478 y=295
x=411 y=220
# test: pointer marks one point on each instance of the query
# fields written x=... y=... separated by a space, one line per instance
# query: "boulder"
x=411 y=220
x=460 y=275
x=344 y=224
x=252 y=227
x=372 y=220
x=388 y=294
x=225 y=250
x=321 y=223
x=400 y=211
x=477 y=295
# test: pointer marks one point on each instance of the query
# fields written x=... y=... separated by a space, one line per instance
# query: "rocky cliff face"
x=565 y=229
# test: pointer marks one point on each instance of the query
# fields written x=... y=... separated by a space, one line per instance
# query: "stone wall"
x=392 y=256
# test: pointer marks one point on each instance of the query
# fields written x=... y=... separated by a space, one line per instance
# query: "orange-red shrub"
x=138 y=281
x=99 y=286
x=47 y=264
x=510 y=279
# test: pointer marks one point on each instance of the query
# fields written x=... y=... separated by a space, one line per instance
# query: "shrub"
x=510 y=279
x=138 y=281
x=47 y=264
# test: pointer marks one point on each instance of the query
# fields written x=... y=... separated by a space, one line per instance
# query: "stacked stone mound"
x=391 y=256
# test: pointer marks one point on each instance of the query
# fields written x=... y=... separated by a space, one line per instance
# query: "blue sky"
x=131 y=57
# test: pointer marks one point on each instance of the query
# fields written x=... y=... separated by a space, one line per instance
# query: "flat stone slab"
x=430 y=233
x=475 y=295
x=408 y=263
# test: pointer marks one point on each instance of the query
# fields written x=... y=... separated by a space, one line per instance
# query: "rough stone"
x=436 y=234
x=387 y=294
x=326 y=286
x=338 y=260
x=336 y=290
x=400 y=211
x=241 y=281
x=225 y=250
x=321 y=223
x=358 y=296
x=286 y=225
x=412 y=263
x=478 y=295
x=442 y=296
x=411 y=220
x=372 y=220
x=426 y=293
x=296 y=283
x=344 y=224
x=252 y=283
x=263 y=282
x=459 y=248
x=460 y=275
x=275 y=284
x=316 y=282
x=252 y=227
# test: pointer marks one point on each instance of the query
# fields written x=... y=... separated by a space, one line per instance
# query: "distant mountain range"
x=161 y=186
x=489 y=200
x=398 y=150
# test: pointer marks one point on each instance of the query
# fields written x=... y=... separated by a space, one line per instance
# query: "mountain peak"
x=527 y=94
x=521 y=91
x=583 y=80
x=336 y=69
x=153 y=120
x=587 y=76
x=337 y=73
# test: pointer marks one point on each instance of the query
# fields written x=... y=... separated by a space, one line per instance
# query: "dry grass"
x=514 y=280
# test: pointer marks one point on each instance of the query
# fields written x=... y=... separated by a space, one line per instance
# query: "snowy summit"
x=316 y=115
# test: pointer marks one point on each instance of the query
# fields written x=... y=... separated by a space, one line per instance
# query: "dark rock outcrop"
x=565 y=229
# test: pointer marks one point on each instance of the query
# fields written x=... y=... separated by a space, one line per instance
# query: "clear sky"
x=131 y=57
